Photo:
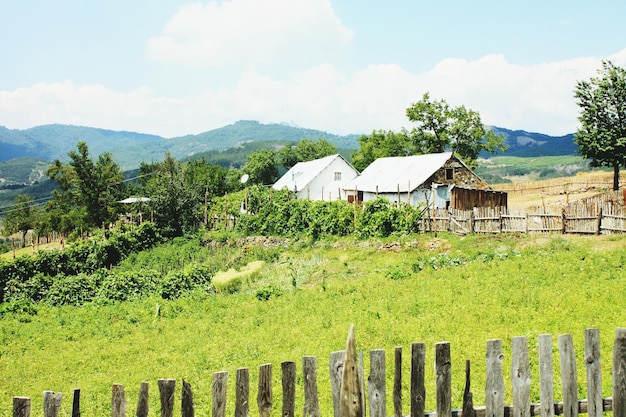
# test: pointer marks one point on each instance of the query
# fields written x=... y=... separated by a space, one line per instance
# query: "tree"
x=382 y=144
x=21 y=216
x=440 y=127
x=602 y=134
x=305 y=150
x=88 y=190
x=261 y=167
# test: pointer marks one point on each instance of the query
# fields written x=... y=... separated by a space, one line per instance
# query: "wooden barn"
x=441 y=180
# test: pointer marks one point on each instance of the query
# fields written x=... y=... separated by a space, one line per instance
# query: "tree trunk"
x=615 y=177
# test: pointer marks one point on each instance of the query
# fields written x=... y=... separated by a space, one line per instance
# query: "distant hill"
x=528 y=144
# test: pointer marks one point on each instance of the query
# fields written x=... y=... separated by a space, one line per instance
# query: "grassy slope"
x=507 y=286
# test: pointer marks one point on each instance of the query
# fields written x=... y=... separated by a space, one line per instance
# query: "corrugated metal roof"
x=401 y=171
x=303 y=173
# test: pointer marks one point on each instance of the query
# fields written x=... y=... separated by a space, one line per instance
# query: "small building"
x=320 y=179
x=420 y=179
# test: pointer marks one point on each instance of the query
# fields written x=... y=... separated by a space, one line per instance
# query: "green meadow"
x=301 y=301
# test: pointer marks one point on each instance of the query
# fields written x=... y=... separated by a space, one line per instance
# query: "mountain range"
x=129 y=149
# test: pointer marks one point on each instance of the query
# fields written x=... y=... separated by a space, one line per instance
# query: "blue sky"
x=345 y=66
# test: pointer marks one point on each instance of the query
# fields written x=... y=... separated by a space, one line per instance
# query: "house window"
x=449 y=174
x=338 y=176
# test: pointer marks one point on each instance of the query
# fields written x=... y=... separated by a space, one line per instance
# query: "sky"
x=176 y=67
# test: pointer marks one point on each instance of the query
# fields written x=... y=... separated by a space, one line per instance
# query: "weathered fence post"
x=619 y=373
x=242 y=392
x=599 y=222
x=289 y=388
x=350 y=398
x=468 y=400
x=51 y=403
x=336 y=371
x=264 y=395
x=76 y=404
x=443 y=373
x=546 y=375
x=494 y=386
x=142 y=402
x=397 y=382
x=21 y=407
x=376 y=384
x=187 y=408
x=167 y=389
x=520 y=378
x=220 y=382
x=311 y=399
x=568 y=375
x=418 y=389
x=118 y=401
x=594 y=373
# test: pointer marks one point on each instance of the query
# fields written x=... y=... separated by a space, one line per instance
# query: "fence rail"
x=347 y=382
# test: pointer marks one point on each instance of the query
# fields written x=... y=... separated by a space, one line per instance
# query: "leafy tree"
x=22 y=216
x=261 y=167
x=305 y=150
x=440 y=127
x=88 y=190
x=175 y=203
x=602 y=135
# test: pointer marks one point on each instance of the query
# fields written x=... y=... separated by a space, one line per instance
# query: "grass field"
x=421 y=288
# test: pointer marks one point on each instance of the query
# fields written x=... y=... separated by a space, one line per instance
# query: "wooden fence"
x=579 y=219
x=347 y=382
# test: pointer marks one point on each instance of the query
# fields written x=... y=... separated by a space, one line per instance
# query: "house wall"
x=419 y=196
x=325 y=187
x=462 y=177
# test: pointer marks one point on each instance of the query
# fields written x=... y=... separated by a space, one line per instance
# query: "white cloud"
x=251 y=32
x=536 y=98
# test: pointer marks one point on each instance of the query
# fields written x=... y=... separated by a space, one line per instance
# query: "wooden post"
x=142 y=402
x=264 y=396
x=568 y=375
x=563 y=222
x=350 y=404
x=376 y=384
x=186 y=402
x=599 y=222
x=288 y=369
x=51 y=403
x=418 y=389
x=311 y=400
x=21 y=407
x=468 y=400
x=220 y=382
x=494 y=387
x=546 y=375
x=242 y=393
x=397 y=382
x=443 y=374
x=118 y=401
x=167 y=389
x=76 y=404
x=337 y=360
x=520 y=378
x=619 y=373
x=594 y=373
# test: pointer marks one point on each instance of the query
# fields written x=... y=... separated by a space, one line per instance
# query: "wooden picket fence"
x=347 y=380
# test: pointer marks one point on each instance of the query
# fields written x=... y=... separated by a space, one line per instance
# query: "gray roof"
x=401 y=171
x=303 y=173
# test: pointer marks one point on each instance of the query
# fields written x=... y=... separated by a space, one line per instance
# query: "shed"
x=320 y=179
x=417 y=179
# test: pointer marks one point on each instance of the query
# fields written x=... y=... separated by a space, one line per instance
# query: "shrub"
x=127 y=285
x=266 y=292
x=175 y=283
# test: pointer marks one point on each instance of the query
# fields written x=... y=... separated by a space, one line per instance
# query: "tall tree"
x=440 y=127
x=602 y=134
x=305 y=150
x=88 y=189
x=262 y=167
x=21 y=216
x=382 y=144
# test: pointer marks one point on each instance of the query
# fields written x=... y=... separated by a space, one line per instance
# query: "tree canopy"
x=438 y=127
x=305 y=150
x=22 y=216
x=602 y=134
x=261 y=167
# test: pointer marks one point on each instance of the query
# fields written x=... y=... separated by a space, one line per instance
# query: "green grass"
x=497 y=168
x=422 y=289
